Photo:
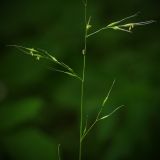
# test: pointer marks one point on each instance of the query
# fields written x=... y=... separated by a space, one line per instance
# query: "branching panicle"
x=42 y=54
x=123 y=27
x=99 y=117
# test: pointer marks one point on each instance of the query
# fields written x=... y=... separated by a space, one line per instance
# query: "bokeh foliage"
x=39 y=108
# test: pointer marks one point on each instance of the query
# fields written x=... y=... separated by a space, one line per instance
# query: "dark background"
x=40 y=109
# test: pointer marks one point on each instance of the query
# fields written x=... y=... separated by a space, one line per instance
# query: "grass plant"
x=39 y=54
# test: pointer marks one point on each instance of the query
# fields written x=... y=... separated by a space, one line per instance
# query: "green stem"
x=81 y=116
x=82 y=84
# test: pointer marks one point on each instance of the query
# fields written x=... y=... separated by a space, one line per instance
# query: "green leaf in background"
x=120 y=147
x=64 y=94
x=16 y=113
x=30 y=144
x=18 y=71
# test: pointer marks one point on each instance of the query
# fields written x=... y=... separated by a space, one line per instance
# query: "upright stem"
x=81 y=116
x=82 y=84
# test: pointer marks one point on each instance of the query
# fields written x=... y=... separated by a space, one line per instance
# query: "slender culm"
x=83 y=80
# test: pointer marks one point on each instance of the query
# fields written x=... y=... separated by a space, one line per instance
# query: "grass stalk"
x=83 y=80
x=65 y=69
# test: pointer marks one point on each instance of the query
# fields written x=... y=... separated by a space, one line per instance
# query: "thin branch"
x=122 y=20
x=88 y=130
x=97 y=120
x=99 y=30
x=108 y=94
x=85 y=128
x=68 y=73
x=108 y=115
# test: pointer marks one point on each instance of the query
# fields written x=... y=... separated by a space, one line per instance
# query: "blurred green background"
x=40 y=109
